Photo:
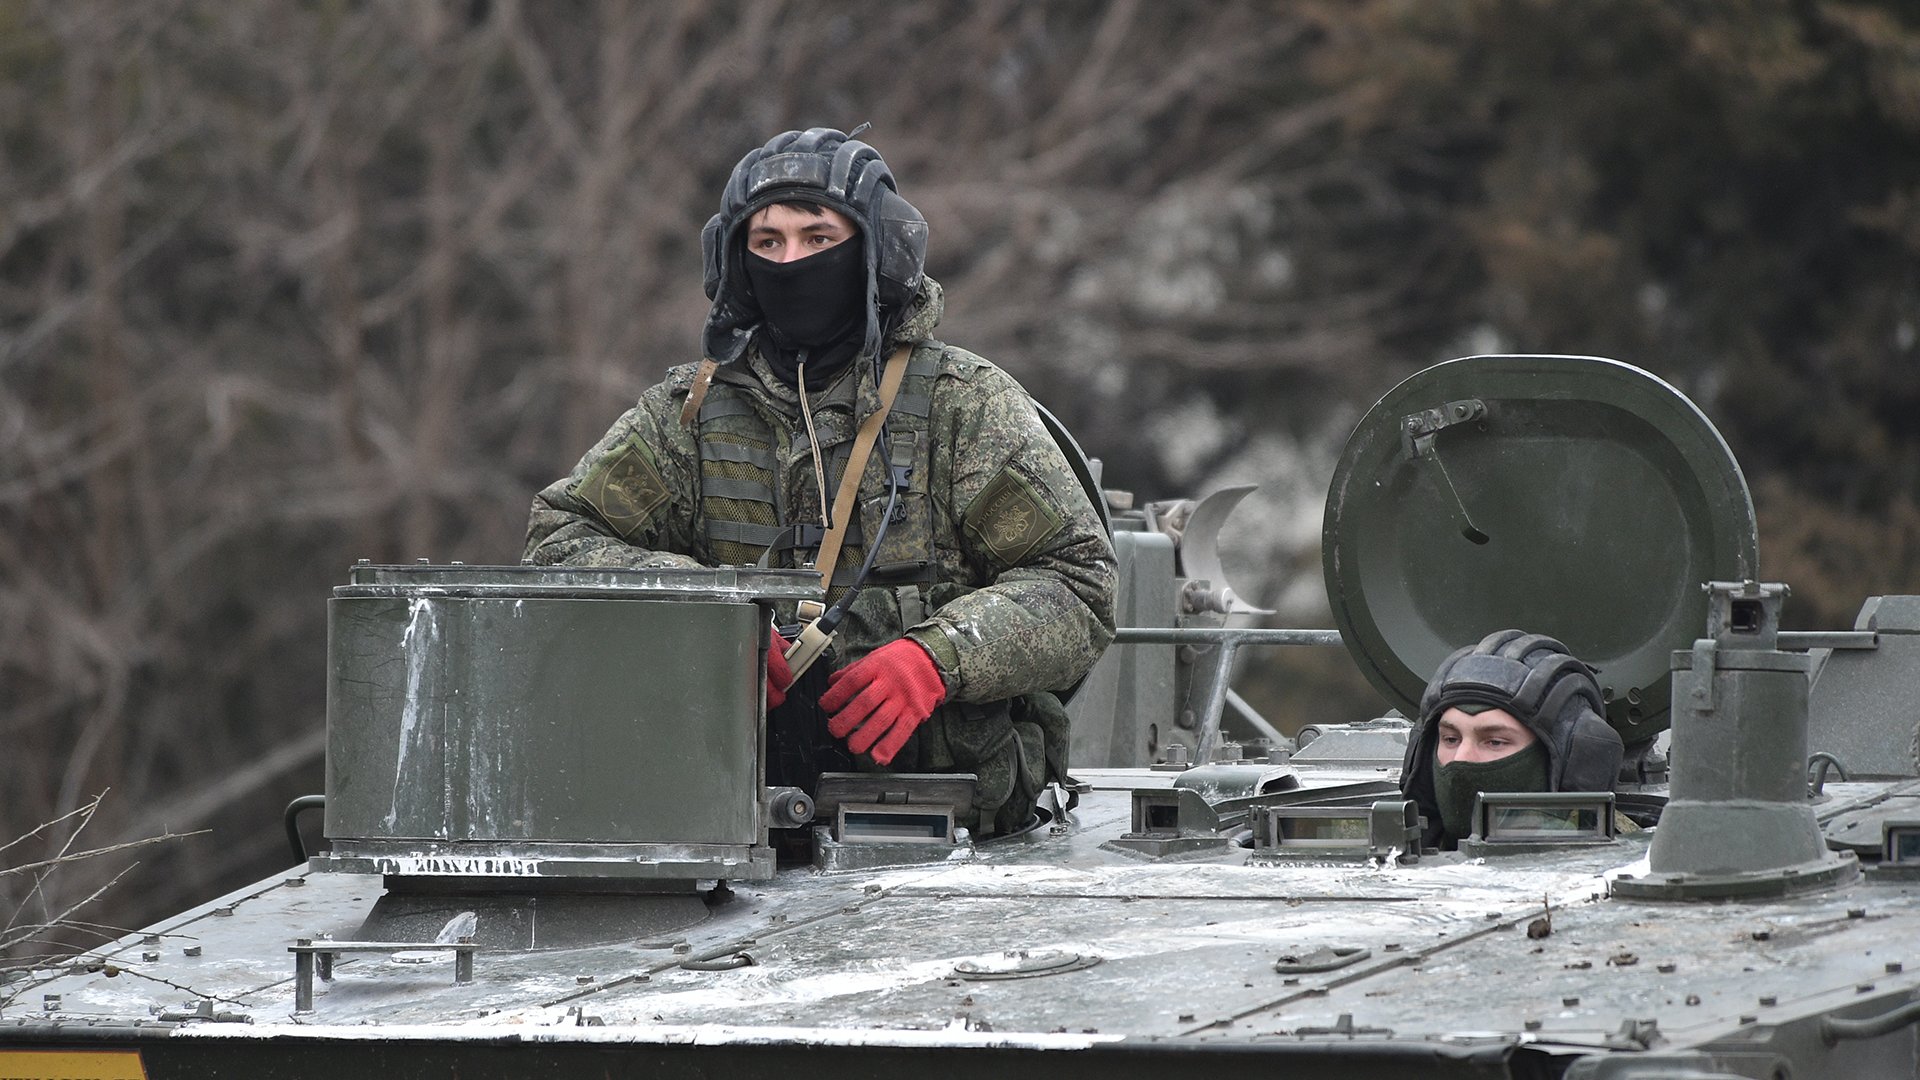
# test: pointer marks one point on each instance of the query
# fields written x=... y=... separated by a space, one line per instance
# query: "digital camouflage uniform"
x=996 y=562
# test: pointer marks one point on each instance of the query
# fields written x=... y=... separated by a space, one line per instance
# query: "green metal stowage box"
x=523 y=721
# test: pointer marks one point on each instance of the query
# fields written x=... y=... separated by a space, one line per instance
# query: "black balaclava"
x=814 y=308
x=1458 y=783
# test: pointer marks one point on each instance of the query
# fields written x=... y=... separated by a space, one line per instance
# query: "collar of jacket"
x=754 y=375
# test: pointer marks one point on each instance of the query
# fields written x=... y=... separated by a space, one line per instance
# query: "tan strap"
x=863 y=441
x=813 y=641
x=697 y=393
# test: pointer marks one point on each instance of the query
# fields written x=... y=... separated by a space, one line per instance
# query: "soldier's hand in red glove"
x=779 y=675
x=877 y=701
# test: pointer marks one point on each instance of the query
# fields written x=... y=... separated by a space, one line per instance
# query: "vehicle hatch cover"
x=1565 y=495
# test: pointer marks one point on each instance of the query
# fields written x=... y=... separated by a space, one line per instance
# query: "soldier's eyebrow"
x=821 y=226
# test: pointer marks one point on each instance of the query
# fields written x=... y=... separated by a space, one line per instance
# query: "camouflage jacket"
x=1019 y=594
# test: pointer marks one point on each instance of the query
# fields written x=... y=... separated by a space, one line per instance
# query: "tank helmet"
x=829 y=168
x=1534 y=678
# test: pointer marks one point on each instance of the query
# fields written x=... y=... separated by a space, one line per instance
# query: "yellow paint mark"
x=71 y=1065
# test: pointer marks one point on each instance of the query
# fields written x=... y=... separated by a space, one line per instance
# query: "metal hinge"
x=1418 y=429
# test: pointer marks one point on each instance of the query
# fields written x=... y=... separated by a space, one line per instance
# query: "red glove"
x=779 y=675
x=885 y=694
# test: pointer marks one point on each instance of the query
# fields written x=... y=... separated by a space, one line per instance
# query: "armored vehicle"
x=550 y=848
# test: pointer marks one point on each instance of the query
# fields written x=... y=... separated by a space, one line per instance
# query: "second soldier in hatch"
x=1515 y=712
x=973 y=579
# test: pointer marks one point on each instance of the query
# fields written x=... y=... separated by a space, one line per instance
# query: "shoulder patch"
x=1010 y=518
x=625 y=487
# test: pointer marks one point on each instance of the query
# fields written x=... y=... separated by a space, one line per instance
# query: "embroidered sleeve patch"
x=1010 y=518
x=625 y=487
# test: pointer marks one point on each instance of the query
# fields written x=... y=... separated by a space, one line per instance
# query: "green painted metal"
x=1125 y=710
x=502 y=721
x=1573 y=496
x=1738 y=822
x=1862 y=706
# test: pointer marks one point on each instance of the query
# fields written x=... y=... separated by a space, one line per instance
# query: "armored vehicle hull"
x=1207 y=898
x=1051 y=955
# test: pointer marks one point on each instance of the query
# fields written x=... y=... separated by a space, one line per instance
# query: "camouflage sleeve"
x=633 y=499
x=1021 y=519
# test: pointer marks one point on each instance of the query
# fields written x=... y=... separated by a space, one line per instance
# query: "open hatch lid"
x=1565 y=495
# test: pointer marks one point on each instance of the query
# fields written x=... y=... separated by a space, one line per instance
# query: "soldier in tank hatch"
x=970 y=576
x=1515 y=712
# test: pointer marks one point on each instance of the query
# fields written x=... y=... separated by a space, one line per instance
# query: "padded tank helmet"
x=1534 y=678
x=829 y=168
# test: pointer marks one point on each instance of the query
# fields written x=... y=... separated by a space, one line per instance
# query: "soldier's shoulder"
x=660 y=405
x=670 y=393
x=981 y=376
x=679 y=378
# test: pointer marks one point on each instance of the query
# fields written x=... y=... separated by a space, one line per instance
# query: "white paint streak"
x=419 y=620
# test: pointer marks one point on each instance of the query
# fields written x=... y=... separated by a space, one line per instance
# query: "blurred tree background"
x=283 y=285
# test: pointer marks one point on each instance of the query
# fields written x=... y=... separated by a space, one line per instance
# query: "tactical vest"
x=1014 y=748
x=746 y=512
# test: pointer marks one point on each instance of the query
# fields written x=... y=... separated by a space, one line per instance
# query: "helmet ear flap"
x=900 y=237
x=713 y=243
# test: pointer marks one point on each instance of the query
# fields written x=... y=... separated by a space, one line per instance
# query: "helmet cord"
x=813 y=444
